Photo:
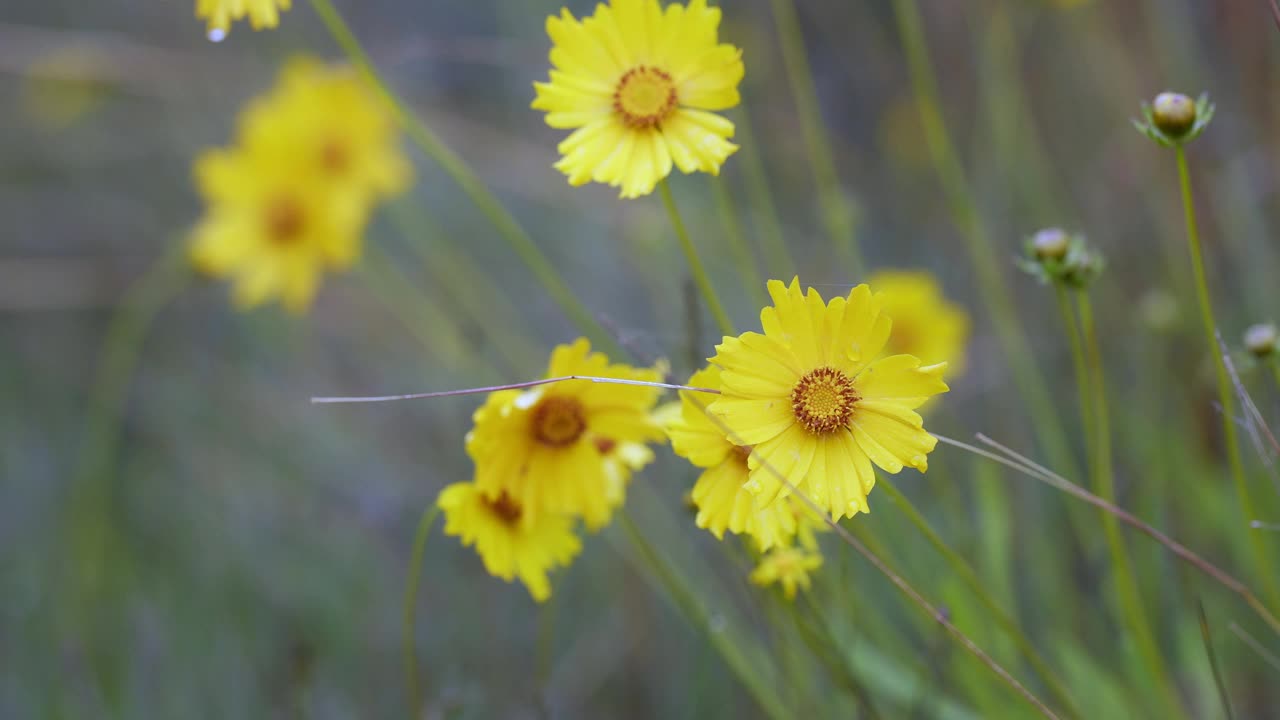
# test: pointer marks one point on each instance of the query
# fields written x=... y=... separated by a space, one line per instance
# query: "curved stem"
x=508 y=227
x=1130 y=600
x=738 y=242
x=970 y=578
x=411 y=607
x=695 y=263
x=837 y=215
x=987 y=263
x=1262 y=564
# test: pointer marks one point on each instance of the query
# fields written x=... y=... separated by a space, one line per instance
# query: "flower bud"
x=1051 y=243
x=1173 y=113
x=1261 y=340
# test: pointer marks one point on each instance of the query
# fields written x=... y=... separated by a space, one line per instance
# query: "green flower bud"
x=1051 y=243
x=1261 y=340
x=1173 y=113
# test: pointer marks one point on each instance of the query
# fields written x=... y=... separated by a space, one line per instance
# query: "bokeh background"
x=183 y=535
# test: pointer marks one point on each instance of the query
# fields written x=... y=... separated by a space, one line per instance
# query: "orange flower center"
x=505 y=509
x=284 y=219
x=558 y=421
x=645 y=96
x=335 y=156
x=823 y=400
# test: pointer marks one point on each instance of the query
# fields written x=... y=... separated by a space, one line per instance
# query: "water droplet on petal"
x=217 y=35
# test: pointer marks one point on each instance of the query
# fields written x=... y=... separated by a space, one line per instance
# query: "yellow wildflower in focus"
x=509 y=546
x=925 y=323
x=221 y=13
x=788 y=567
x=291 y=199
x=816 y=404
x=567 y=448
x=722 y=501
x=635 y=82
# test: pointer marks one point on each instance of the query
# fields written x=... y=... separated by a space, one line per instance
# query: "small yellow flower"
x=786 y=566
x=816 y=404
x=510 y=546
x=570 y=447
x=635 y=82
x=722 y=501
x=270 y=227
x=925 y=323
x=221 y=13
x=292 y=198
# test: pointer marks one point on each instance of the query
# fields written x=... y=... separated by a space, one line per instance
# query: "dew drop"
x=217 y=35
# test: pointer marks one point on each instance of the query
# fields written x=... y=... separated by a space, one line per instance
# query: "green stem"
x=411 y=607
x=695 y=263
x=970 y=578
x=684 y=599
x=987 y=263
x=1130 y=600
x=837 y=215
x=773 y=244
x=1262 y=564
x=1275 y=372
x=508 y=227
x=1072 y=329
x=751 y=279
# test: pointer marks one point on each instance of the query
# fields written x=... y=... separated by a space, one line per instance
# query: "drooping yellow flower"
x=925 y=323
x=270 y=227
x=635 y=82
x=570 y=447
x=788 y=567
x=816 y=404
x=221 y=13
x=291 y=199
x=722 y=501
x=510 y=546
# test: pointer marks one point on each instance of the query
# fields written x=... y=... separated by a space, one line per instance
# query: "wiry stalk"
x=411 y=608
x=696 y=268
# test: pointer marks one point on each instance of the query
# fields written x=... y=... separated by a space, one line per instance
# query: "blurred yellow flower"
x=221 y=13
x=567 y=448
x=291 y=199
x=925 y=323
x=816 y=404
x=719 y=496
x=788 y=567
x=510 y=546
x=635 y=83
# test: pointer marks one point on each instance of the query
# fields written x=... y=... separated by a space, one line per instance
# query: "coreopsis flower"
x=722 y=501
x=291 y=199
x=817 y=406
x=925 y=323
x=221 y=13
x=636 y=83
x=567 y=448
x=510 y=546
x=788 y=567
x=270 y=227
x=326 y=117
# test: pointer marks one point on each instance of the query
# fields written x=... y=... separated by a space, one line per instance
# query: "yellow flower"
x=787 y=566
x=816 y=404
x=635 y=83
x=292 y=198
x=925 y=323
x=567 y=448
x=221 y=13
x=270 y=227
x=719 y=496
x=509 y=546
x=326 y=118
